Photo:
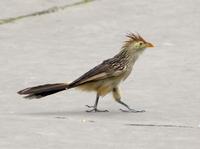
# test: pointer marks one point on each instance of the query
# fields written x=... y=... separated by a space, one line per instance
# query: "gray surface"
x=61 y=46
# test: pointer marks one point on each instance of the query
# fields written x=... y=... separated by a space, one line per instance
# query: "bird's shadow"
x=71 y=113
x=94 y=117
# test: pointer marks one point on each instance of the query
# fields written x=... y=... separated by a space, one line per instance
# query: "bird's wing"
x=106 y=69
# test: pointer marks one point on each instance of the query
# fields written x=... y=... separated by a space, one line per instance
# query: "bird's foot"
x=132 y=110
x=94 y=109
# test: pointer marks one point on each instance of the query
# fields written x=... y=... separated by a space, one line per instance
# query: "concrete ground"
x=61 y=45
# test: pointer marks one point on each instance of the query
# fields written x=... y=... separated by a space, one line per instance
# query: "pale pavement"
x=60 y=46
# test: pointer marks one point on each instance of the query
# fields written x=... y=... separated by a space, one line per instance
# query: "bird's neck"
x=129 y=55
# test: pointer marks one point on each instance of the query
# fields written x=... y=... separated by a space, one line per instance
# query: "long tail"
x=43 y=90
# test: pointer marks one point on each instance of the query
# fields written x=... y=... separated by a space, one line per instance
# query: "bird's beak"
x=149 y=45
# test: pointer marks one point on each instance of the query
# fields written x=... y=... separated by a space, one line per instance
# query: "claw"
x=94 y=109
x=132 y=111
x=89 y=106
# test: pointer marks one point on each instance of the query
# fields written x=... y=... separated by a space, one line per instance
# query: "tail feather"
x=42 y=90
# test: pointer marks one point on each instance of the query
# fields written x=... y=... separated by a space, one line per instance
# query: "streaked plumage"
x=104 y=78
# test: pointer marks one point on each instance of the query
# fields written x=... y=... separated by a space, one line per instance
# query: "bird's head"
x=136 y=43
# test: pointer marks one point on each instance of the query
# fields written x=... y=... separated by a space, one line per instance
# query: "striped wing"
x=107 y=69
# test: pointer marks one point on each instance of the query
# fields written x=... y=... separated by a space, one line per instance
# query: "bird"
x=102 y=79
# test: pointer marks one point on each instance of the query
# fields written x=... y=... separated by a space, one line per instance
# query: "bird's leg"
x=129 y=109
x=117 y=97
x=94 y=108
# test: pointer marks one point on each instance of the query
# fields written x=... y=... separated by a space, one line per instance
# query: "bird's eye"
x=141 y=43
